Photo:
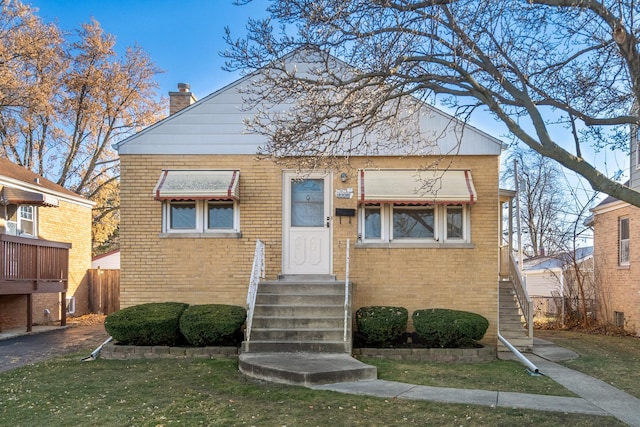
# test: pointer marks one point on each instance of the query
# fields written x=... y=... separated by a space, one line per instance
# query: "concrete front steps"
x=298 y=314
x=512 y=326
x=297 y=334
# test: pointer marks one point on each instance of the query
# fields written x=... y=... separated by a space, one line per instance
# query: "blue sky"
x=184 y=37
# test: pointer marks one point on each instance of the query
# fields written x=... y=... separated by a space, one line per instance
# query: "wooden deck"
x=31 y=266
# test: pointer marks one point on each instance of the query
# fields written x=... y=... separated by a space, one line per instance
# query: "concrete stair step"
x=305 y=369
x=283 y=346
x=299 y=299
x=298 y=322
x=314 y=334
x=298 y=310
x=522 y=344
x=306 y=288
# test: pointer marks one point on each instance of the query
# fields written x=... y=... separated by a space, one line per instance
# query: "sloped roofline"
x=256 y=73
x=17 y=176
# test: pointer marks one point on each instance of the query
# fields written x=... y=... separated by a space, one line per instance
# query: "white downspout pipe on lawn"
x=521 y=357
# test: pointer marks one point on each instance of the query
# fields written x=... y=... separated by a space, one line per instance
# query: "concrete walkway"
x=596 y=397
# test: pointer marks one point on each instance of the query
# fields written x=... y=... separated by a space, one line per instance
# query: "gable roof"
x=216 y=125
x=16 y=176
x=556 y=261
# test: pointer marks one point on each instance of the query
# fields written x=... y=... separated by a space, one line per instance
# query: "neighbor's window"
x=623 y=232
x=394 y=222
x=200 y=216
x=22 y=220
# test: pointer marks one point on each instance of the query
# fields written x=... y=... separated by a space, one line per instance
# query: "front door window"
x=307 y=203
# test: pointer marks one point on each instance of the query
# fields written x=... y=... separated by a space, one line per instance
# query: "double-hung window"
x=415 y=207
x=203 y=202
x=21 y=220
x=623 y=242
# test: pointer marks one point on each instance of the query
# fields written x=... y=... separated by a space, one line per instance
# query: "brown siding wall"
x=207 y=270
x=619 y=285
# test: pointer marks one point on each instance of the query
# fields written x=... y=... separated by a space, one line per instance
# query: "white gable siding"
x=216 y=125
x=541 y=283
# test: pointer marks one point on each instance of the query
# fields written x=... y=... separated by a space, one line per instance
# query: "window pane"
x=220 y=215
x=26 y=220
x=624 y=228
x=624 y=241
x=412 y=223
x=454 y=223
x=372 y=223
x=307 y=203
x=183 y=216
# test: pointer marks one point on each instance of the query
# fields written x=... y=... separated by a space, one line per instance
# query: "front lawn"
x=164 y=392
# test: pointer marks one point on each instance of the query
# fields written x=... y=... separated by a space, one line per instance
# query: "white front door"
x=307 y=223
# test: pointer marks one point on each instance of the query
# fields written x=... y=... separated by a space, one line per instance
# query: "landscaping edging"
x=115 y=351
x=462 y=355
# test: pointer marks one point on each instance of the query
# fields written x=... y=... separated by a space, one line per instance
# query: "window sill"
x=426 y=245
x=624 y=267
x=225 y=235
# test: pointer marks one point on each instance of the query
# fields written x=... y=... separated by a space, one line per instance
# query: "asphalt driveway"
x=28 y=349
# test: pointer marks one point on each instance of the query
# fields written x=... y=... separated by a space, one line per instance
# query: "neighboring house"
x=195 y=198
x=107 y=261
x=45 y=249
x=550 y=280
x=616 y=225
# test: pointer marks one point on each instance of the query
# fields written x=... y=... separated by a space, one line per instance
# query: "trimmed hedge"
x=212 y=324
x=445 y=328
x=147 y=324
x=382 y=325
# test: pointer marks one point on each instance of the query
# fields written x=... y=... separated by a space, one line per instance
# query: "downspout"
x=533 y=369
x=94 y=354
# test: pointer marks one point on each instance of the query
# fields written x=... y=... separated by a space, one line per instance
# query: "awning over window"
x=197 y=185
x=16 y=196
x=416 y=186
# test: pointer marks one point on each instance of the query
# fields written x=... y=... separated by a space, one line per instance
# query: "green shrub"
x=211 y=324
x=444 y=328
x=381 y=325
x=147 y=324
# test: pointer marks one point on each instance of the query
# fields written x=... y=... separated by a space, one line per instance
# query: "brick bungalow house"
x=45 y=249
x=195 y=198
x=617 y=261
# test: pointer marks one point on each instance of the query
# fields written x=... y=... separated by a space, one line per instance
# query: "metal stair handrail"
x=346 y=291
x=525 y=303
x=257 y=273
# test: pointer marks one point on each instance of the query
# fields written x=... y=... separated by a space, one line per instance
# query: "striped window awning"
x=418 y=187
x=198 y=185
x=16 y=196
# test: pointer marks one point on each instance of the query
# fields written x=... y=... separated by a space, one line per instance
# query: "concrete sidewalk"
x=596 y=397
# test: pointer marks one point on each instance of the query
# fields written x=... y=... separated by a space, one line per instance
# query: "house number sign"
x=344 y=193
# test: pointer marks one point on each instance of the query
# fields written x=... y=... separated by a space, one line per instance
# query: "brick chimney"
x=180 y=99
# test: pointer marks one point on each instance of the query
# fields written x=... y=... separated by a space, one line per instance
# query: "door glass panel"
x=307 y=203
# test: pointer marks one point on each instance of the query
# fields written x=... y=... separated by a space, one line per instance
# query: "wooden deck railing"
x=32 y=261
x=31 y=266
